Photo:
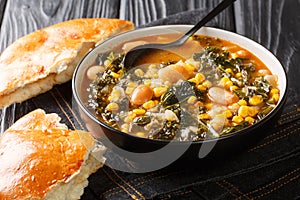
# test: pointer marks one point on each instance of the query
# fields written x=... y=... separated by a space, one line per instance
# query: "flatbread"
x=36 y=62
x=41 y=159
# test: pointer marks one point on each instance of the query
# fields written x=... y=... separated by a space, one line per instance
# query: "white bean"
x=173 y=73
x=272 y=80
x=170 y=115
x=141 y=94
x=167 y=74
x=93 y=71
x=242 y=53
x=222 y=96
x=218 y=122
x=263 y=72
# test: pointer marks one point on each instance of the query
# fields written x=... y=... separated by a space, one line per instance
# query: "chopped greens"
x=191 y=107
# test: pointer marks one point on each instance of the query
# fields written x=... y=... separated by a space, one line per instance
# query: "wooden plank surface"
x=2 y=9
x=142 y=12
x=275 y=25
x=24 y=16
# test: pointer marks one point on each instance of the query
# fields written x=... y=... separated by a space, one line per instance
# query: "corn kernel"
x=228 y=70
x=140 y=134
x=127 y=119
x=130 y=117
x=238 y=75
x=131 y=84
x=234 y=107
x=115 y=95
x=237 y=119
x=190 y=68
x=125 y=128
x=129 y=90
x=250 y=120
x=228 y=84
x=207 y=84
x=200 y=78
x=208 y=106
x=139 y=72
x=149 y=104
x=274 y=91
x=199 y=103
x=112 y=107
x=204 y=116
x=115 y=75
x=275 y=97
x=201 y=87
x=194 y=80
x=252 y=112
x=228 y=114
x=233 y=88
x=147 y=82
x=158 y=91
x=139 y=111
x=243 y=111
x=224 y=80
x=242 y=102
x=256 y=100
x=192 y=100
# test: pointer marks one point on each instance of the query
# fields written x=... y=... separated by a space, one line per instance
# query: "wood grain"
x=2 y=9
x=143 y=12
x=274 y=25
x=25 y=16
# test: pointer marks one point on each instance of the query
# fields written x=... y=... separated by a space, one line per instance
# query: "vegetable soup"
x=206 y=88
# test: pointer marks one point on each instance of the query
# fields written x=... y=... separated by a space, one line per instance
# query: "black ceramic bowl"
x=144 y=150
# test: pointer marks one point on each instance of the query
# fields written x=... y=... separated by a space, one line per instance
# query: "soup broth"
x=206 y=88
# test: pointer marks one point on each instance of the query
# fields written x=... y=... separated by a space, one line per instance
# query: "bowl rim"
x=250 y=128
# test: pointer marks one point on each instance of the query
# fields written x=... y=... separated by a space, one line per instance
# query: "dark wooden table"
x=273 y=23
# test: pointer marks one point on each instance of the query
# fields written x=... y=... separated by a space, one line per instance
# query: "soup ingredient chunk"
x=141 y=95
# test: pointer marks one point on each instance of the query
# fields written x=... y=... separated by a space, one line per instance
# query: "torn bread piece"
x=38 y=120
x=36 y=62
x=41 y=159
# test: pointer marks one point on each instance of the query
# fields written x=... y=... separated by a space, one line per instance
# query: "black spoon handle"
x=220 y=7
x=131 y=56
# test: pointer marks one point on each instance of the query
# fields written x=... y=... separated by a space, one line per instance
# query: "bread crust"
x=52 y=50
x=41 y=159
x=38 y=120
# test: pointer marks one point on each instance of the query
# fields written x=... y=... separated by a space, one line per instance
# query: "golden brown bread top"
x=33 y=161
x=38 y=120
x=49 y=50
x=37 y=152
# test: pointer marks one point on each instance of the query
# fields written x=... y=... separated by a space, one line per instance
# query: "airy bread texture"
x=36 y=62
x=41 y=159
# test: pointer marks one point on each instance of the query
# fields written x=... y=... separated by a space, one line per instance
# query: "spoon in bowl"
x=132 y=55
